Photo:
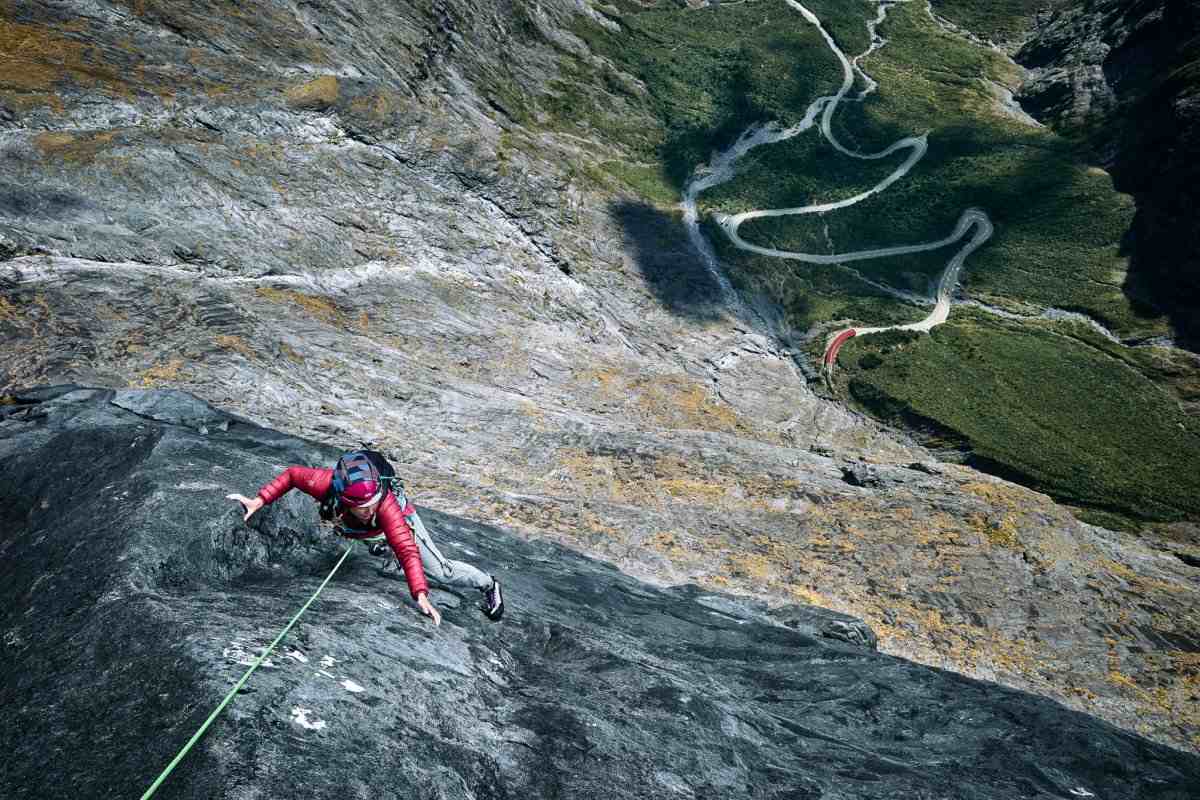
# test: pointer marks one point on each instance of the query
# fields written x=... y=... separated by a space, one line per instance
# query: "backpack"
x=388 y=480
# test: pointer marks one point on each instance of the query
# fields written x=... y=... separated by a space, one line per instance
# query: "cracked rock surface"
x=144 y=597
x=333 y=220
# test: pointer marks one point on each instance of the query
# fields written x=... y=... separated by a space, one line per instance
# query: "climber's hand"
x=251 y=504
x=428 y=609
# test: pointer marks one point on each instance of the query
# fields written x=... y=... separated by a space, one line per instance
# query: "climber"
x=366 y=502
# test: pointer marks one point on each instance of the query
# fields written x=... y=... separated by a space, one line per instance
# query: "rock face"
x=134 y=596
x=351 y=220
x=1126 y=77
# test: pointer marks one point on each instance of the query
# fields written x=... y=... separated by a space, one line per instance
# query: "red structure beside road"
x=832 y=350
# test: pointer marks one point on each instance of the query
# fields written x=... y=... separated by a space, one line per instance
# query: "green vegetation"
x=1108 y=519
x=1049 y=411
x=1057 y=226
x=1054 y=405
x=711 y=72
x=1058 y=223
x=994 y=20
x=811 y=294
x=799 y=171
x=648 y=180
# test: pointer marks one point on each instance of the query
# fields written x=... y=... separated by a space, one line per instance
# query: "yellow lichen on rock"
x=378 y=105
x=679 y=402
x=36 y=61
x=691 y=490
x=667 y=543
x=752 y=566
x=804 y=594
x=315 y=95
x=9 y=312
x=34 y=58
x=591 y=476
x=669 y=401
x=236 y=343
x=162 y=374
x=671 y=480
x=320 y=307
x=71 y=148
x=1143 y=584
x=1001 y=531
x=1003 y=494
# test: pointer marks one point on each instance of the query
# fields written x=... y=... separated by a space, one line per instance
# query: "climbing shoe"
x=493 y=601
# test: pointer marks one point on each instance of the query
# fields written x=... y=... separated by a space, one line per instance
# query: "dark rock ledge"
x=132 y=591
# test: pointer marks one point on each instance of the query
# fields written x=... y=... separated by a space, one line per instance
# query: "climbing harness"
x=196 y=736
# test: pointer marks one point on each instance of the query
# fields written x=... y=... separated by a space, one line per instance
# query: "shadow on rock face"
x=134 y=598
x=1163 y=247
x=49 y=203
x=665 y=257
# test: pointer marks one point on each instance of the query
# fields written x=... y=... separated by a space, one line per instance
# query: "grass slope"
x=994 y=20
x=1077 y=417
x=1075 y=422
x=711 y=72
x=1058 y=222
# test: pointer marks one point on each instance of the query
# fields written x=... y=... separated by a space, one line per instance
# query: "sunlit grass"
x=994 y=20
x=711 y=72
x=1062 y=409
x=1047 y=410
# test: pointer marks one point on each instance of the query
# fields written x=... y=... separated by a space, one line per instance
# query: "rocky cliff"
x=134 y=597
x=1125 y=78
x=355 y=220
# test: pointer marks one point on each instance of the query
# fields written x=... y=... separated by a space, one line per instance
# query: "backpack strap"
x=329 y=505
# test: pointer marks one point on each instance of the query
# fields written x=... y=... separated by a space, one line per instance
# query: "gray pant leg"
x=444 y=571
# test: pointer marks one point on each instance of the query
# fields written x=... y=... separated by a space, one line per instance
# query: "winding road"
x=723 y=165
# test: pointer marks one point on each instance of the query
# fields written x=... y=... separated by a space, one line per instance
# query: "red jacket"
x=389 y=518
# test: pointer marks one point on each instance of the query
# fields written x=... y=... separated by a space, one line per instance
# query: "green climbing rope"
x=196 y=736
